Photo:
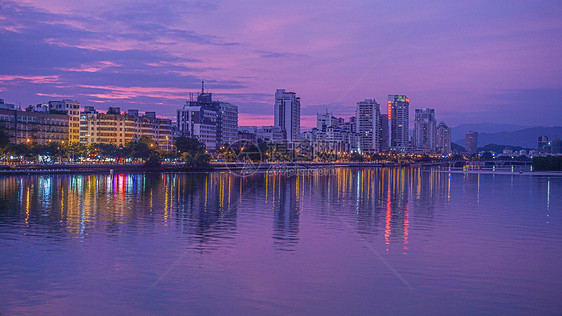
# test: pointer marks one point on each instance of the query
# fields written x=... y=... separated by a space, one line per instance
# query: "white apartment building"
x=368 y=126
x=288 y=114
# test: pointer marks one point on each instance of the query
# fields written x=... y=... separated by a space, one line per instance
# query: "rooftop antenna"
x=202 y=87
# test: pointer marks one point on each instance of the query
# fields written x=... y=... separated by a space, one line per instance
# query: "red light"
x=389 y=109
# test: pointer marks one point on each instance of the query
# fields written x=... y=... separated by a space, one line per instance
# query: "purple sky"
x=474 y=62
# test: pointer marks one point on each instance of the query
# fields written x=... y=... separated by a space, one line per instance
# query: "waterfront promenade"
x=250 y=167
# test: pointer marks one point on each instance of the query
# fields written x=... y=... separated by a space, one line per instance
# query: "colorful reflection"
x=384 y=200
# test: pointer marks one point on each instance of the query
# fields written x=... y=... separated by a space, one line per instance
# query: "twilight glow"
x=478 y=61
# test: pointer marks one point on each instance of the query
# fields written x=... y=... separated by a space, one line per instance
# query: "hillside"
x=526 y=137
x=496 y=148
x=457 y=132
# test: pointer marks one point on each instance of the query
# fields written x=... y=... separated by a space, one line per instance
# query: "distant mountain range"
x=459 y=131
x=524 y=137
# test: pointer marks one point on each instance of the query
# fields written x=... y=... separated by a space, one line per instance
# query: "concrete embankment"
x=128 y=168
x=95 y=168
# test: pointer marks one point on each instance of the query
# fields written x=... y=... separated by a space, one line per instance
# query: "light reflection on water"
x=218 y=243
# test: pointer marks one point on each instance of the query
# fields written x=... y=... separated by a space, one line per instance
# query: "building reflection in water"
x=283 y=194
x=76 y=205
x=381 y=204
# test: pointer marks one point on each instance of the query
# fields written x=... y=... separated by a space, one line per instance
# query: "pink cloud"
x=100 y=45
x=92 y=68
x=114 y=92
x=33 y=79
x=52 y=95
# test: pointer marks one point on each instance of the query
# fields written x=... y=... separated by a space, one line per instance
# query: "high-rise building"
x=443 y=139
x=214 y=123
x=384 y=133
x=288 y=114
x=199 y=121
x=119 y=128
x=425 y=130
x=227 y=123
x=368 y=115
x=543 y=144
x=398 y=111
x=471 y=142
x=72 y=109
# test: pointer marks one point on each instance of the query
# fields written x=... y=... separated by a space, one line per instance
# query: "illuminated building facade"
x=368 y=128
x=34 y=127
x=72 y=109
x=119 y=128
x=399 y=117
x=55 y=121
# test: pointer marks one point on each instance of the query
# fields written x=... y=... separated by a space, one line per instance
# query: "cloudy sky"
x=473 y=61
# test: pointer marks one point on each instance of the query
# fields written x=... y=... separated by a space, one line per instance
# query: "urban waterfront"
x=345 y=241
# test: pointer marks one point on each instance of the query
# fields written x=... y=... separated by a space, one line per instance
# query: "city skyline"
x=79 y=51
x=280 y=157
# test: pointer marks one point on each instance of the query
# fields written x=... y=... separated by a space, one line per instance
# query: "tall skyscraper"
x=385 y=133
x=471 y=142
x=368 y=128
x=443 y=139
x=425 y=130
x=288 y=114
x=399 y=117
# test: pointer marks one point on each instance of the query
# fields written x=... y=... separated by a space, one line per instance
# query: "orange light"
x=407 y=100
x=389 y=109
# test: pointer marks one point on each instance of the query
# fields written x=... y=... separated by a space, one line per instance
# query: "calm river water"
x=347 y=241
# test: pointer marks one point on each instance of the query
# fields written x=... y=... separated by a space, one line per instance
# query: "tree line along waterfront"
x=190 y=152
